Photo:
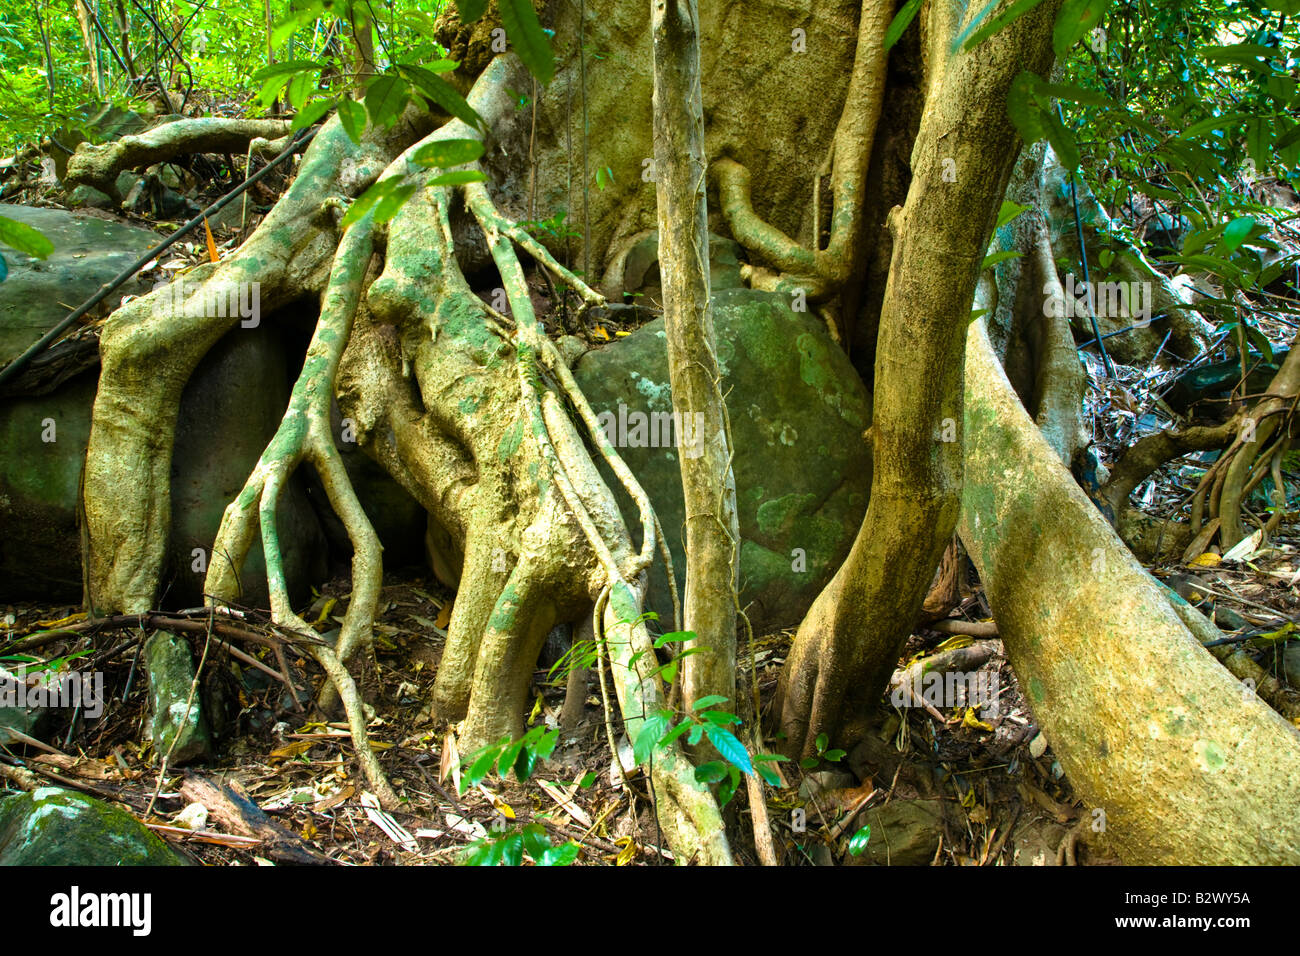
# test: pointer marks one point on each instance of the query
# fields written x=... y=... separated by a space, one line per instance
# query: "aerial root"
x=304 y=434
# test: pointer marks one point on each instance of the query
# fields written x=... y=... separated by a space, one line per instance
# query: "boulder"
x=176 y=722
x=802 y=467
x=54 y=827
x=229 y=410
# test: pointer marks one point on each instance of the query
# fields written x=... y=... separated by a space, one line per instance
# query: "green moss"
x=54 y=827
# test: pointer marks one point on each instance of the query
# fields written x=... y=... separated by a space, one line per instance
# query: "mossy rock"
x=176 y=723
x=802 y=466
x=54 y=827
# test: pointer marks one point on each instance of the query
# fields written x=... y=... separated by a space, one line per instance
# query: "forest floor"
x=1007 y=798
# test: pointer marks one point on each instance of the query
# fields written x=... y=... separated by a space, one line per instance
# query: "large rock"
x=88 y=251
x=802 y=467
x=229 y=410
x=53 y=827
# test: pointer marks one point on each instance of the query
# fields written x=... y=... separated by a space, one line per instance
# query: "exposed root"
x=821 y=272
x=99 y=166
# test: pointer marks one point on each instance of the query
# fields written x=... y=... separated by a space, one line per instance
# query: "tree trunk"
x=703 y=446
x=847 y=646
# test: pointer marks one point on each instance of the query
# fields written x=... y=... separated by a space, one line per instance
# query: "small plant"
x=821 y=743
x=508 y=848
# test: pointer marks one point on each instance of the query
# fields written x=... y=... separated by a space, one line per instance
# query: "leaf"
x=512 y=850
x=1077 y=17
x=448 y=152
x=212 y=243
x=286 y=69
x=835 y=756
x=525 y=34
x=470 y=10
x=720 y=717
x=311 y=113
x=712 y=772
x=1014 y=12
x=858 y=842
x=902 y=20
x=996 y=257
x=388 y=206
x=708 y=701
x=24 y=238
x=654 y=727
x=672 y=735
x=563 y=855
x=730 y=747
x=353 y=117
x=482 y=764
x=441 y=93
x=1235 y=233
x=1009 y=211
x=1023 y=109
x=822 y=742
x=769 y=775
x=536 y=841
x=385 y=98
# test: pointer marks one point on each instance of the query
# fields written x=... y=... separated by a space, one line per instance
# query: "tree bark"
x=703 y=445
x=847 y=646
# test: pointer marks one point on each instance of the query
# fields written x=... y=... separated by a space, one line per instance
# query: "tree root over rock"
x=465 y=406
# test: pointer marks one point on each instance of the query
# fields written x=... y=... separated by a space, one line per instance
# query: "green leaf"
x=858 y=842
x=510 y=755
x=1235 y=233
x=536 y=840
x=287 y=69
x=697 y=731
x=482 y=764
x=654 y=727
x=807 y=763
x=822 y=742
x=512 y=850
x=1259 y=137
x=835 y=756
x=1009 y=211
x=311 y=113
x=902 y=20
x=720 y=718
x=1197 y=130
x=385 y=98
x=730 y=747
x=712 y=772
x=675 y=733
x=587 y=780
x=388 y=206
x=563 y=855
x=458 y=177
x=24 y=238
x=1023 y=109
x=470 y=10
x=1077 y=17
x=996 y=257
x=448 y=152
x=441 y=93
x=1014 y=12
x=708 y=701
x=300 y=87
x=526 y=37
x=1062 y=141
x=769 y=775
x=353 y=117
